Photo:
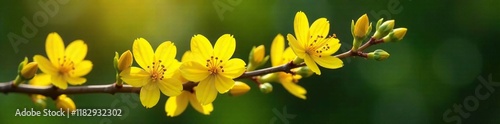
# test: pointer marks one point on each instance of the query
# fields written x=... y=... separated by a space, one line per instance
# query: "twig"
x=53 y=92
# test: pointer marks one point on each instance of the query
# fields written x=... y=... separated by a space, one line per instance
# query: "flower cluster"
x=207 y=70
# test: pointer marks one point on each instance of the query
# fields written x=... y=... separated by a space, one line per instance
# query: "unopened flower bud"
x=125 y=60
x=396 y=35
x=303 y=71
x=239 y=89
x=361 y=27
x=65 y=103
x=39 y=100
x=29 y=70
x=378 y=55
x=360 y=30
x=266 y=88
x=22 y=64
x=271 y=77
x=25 y=71
x=257 y=57
x=384 y=29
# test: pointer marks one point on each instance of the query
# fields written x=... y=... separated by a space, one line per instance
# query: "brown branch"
x=53 y=92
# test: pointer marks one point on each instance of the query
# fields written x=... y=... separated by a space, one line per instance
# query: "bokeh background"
x=449 y=47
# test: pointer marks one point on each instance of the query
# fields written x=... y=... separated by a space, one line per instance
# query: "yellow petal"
x=233 y=68
x=204 y=109
x=166 y=52
x=59 y=82
x=312 y=65
x=332 y=45
x=143 y=52
x=75 y=80
x=224 y=47
x=319 y=29
x=177 y=73
x=170 y=86
x=288 y=55
x=295 y=89
x=330 y=62
x=76 y=51
x=171 y=68
x=177 y=104
x=82 y=68
x=301 y=27
x=150 y=95
x=206 y=92
x=187 y=56
x=194 y=71
x=296 y=46
x=135 y=76
x=201 y=48
x=54 y=46
x=223 y=84
x=277 y=48
x=42 y=79
x=45 y=65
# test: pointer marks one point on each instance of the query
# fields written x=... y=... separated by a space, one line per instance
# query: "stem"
x=53 y=92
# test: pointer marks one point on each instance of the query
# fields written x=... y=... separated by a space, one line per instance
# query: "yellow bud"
x=384 y=29
x=125 y=60
x=399 y=33
x=39 y=100
x=266 y=88
x=29 y=70
x=396 y=35
x=258 y=53
x=378 y=55
x=361 y=27
x=239 y=89
x=65 y=103
x=257 y=58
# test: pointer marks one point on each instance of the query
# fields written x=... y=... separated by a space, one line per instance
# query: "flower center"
x=157 y=69
x=214 y=65
x=316 y=49
x=66 y=65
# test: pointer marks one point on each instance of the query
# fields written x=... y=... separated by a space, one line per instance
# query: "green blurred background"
x=449 y=47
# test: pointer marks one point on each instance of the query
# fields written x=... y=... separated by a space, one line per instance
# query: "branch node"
x=118 y=86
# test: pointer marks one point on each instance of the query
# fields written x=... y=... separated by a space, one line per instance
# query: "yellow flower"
x=177 y=104
x=64 y=65
x=280 y=57
x=156 y=73
x=312 y=45
x=65 y=103
x=212 y=67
